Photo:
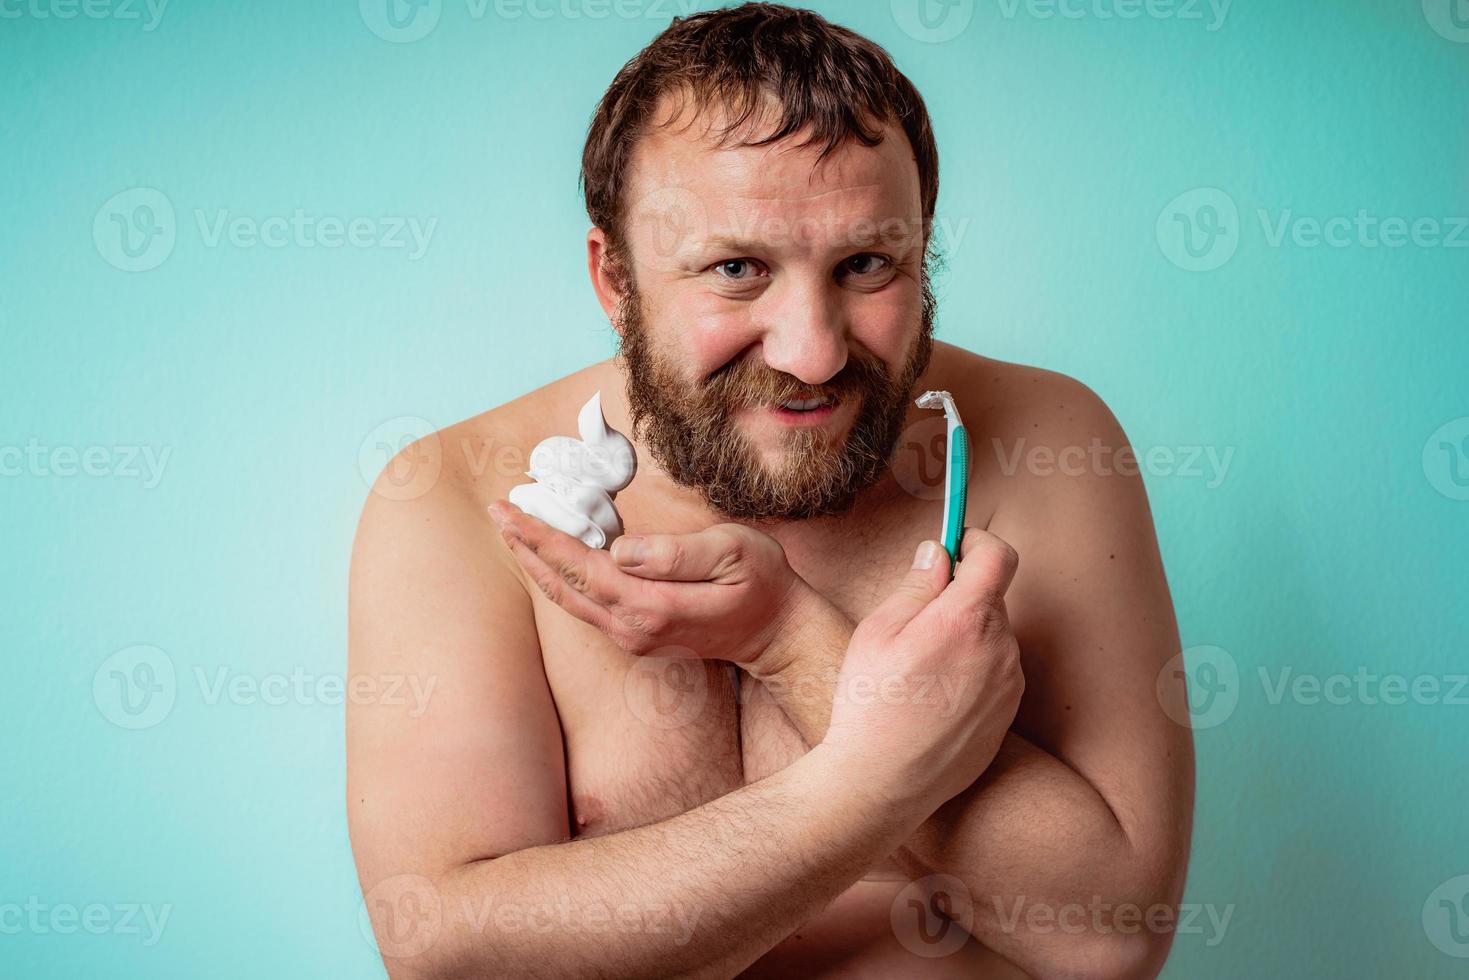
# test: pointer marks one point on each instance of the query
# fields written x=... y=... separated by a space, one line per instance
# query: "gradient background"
x=275 y=378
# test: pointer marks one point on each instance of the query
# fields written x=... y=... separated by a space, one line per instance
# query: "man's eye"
x=867 y=264
x=736 y=269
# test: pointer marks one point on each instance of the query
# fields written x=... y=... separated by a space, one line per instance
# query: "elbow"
x=1106 y=939
x=427 y=968
x=1111 y=940
x=1108 y=956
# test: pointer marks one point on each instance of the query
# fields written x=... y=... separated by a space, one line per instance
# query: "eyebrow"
x=870 y=235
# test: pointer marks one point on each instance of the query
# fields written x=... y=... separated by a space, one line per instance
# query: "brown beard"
x=690 y=430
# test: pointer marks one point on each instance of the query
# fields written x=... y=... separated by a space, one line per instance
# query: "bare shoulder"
x=1054 y=469
x=440 y=485
x=1037 y=437
x=1020 y=417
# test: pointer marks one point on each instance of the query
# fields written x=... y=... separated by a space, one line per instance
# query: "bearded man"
x=772 y=730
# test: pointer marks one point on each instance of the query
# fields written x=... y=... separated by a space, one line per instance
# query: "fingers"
x=987 y=565
x=923 y=583
x=554 y=585
x=703 y=556
x=589 y=572
x=976 y=596
x=588 y=584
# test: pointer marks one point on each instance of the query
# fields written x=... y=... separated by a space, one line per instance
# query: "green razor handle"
x=956 y=491
x=956 y=472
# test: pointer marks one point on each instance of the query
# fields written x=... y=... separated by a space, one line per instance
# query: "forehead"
x=758 y=192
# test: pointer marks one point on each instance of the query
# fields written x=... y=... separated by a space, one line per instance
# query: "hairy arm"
x=1088 y=803
x=458 y=810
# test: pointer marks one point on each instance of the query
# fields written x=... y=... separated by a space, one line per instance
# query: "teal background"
x=1333 y=543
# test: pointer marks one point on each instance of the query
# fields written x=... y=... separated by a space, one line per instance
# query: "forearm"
x=725 y=881
x=1031 y=831
x=1046 y=865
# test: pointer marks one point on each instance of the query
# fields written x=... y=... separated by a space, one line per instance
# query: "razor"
x=956 y=471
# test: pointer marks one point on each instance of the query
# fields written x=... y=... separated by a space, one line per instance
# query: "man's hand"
x=931 y=680
x=724 y=593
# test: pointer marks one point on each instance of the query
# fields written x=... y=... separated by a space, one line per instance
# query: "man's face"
x=761 y=284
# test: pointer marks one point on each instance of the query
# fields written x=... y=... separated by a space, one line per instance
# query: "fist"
x=931 y=680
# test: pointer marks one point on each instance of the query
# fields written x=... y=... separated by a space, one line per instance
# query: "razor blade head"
x=940 y=400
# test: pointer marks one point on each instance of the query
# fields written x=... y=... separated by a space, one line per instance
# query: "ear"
x=604 y=280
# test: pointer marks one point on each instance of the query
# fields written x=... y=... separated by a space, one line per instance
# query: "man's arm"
x=1090 y=797
x=458 y=808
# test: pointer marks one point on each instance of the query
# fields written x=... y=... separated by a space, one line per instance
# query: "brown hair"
x=820 y=74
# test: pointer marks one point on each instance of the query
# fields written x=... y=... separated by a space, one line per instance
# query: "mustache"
x=748 y=382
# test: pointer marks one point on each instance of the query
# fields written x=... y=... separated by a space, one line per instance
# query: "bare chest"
x=648 y=738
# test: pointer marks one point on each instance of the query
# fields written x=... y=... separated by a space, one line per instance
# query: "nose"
x=804 y=331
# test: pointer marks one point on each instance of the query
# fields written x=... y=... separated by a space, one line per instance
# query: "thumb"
x=924 y=582
x=702 y=556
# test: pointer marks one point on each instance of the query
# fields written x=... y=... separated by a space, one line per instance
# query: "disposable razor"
x=956 y=472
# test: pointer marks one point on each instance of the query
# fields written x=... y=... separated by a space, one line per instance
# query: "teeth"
x=804 y=404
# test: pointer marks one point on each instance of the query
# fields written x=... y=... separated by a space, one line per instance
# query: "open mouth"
x=804 y=404
x=804 y=410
